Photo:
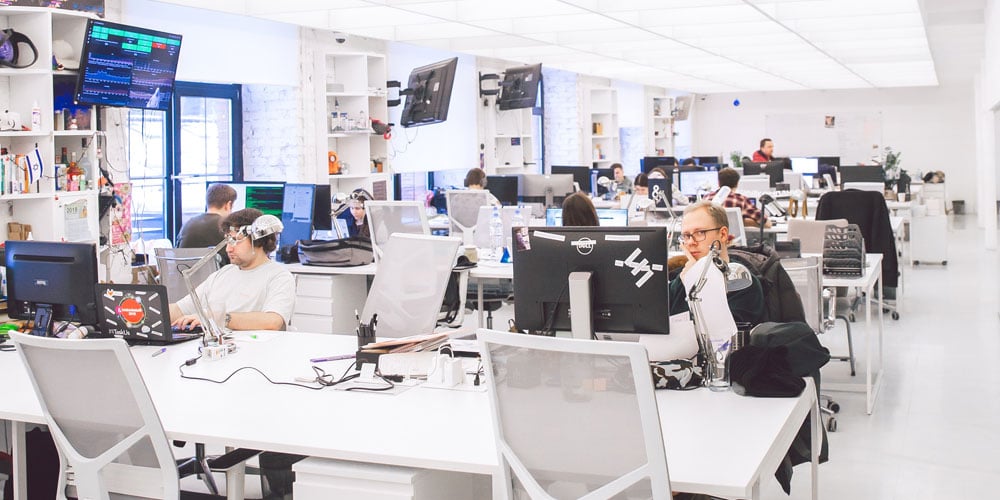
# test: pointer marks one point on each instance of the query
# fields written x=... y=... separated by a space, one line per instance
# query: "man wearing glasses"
x=705 y=224
x=252 y=292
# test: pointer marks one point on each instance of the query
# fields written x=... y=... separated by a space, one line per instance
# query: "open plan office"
x=454 y=250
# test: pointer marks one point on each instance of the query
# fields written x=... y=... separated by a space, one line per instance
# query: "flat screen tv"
x=519 y=88
x=428 y=93
x=127 y=66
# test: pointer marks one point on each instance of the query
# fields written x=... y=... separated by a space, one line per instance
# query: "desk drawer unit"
x=322 y=479
x=325 y=303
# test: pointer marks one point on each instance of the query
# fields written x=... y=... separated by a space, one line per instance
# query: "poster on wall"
x=121 y=216
x=91 y=6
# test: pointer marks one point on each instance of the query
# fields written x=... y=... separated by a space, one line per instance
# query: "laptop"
x=137 y=313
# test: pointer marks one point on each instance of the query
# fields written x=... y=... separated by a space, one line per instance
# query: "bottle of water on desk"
x=496 y=235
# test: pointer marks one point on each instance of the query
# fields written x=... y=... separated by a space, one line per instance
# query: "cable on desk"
x=294 y=384
x=322 y=378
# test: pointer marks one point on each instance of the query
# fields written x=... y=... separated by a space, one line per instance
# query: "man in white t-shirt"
x=252 y=292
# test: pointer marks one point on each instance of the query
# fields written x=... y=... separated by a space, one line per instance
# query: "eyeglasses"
x=697 y=236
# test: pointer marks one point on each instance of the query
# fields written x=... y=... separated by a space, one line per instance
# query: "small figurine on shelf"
x=72 y=124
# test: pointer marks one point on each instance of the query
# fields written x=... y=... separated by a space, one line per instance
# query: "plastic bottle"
x=36 y=117
x=516 y=220
x=496 y=235
x=73 y=174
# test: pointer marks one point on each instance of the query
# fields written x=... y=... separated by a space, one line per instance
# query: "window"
x=174 y=155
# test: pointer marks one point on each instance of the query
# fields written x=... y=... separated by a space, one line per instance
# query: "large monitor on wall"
x=628 y=278
x=127 y=66
x=519 y=88
x=429 y=93
x=49 y=281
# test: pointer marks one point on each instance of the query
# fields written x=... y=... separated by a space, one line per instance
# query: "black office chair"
x=868 y=210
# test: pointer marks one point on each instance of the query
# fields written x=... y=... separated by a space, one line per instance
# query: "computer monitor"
x=519 y=88
x=833 y=161
x=322 y=208
x=268 y=197
x=606 y=217
x=49 y=281
x=661 y=192
x=506 y=188
x=706 y=160
x=806 y=166
x=549 y=190
x=693 y=182
x=651 y=162
x=411 y=186
x=627 y=272
x=774 y=169
x=581 y=175
x=429 y=93
x=297 y=217
x=861 y=174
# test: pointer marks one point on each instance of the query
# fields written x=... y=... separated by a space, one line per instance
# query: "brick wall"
x=563 y=139
x=273 y=143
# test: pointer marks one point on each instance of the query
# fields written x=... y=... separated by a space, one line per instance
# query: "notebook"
x=137 y=313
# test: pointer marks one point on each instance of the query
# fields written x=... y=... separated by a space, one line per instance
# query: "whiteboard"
x=806 y=134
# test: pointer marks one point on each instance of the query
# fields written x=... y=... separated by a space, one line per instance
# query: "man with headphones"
x=252 y=292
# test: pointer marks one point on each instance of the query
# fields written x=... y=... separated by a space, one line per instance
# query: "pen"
x=332 y=358
x=161 y=351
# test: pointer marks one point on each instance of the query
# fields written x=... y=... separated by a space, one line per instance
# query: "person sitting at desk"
x=475 y=179
x=641 y=185
x=689 y=162
x=751 y=214
x=622 y=184
x=251 y=293
x=766 y=151
x=578 y=210
x=703 y=224
x=205 y=230
x=355 y=215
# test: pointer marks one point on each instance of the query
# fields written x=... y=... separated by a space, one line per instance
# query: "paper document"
x=77 y=223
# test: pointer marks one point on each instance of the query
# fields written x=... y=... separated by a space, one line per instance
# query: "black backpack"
x=781 y=300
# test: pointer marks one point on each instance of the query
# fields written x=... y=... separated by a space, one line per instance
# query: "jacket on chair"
x=868 y=210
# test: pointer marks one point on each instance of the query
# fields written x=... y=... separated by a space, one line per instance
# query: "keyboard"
x=196 y=330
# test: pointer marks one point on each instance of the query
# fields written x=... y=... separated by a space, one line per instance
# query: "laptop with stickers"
x=137 y=313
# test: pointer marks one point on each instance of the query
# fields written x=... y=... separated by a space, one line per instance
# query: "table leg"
x=479 y=300
x=235 y=480
x=19 y=449
x=755 y=491
x=817 y=446
x=868 y=350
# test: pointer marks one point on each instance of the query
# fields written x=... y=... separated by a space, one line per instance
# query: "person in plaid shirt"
x=751 y=214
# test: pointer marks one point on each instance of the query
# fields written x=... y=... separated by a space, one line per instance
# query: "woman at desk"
x=355 y=216
x=475 y=179
x=578 y=210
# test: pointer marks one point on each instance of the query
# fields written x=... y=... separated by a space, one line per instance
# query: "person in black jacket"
x=703 y=225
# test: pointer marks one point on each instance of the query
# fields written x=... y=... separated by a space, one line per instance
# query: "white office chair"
x=574 y=418
x=737 y=228
x=753 y=185
x=386 y=218
x=101 y=417
x=171 y=261
x=409 y=284
x=463 y=211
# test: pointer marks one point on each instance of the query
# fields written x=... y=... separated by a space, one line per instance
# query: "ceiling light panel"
x=267 y=7
x=431 y=31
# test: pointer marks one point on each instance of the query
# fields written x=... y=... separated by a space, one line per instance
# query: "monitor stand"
x=581 y=320
x=43 y=321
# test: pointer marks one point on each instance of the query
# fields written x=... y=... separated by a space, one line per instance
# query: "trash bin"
x=958 y=207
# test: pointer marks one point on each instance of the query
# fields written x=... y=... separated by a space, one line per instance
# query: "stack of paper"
x=415 y=343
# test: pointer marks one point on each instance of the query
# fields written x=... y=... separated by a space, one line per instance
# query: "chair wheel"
x=831 y=425
x=895 y=315
x=850 y=317
x=916 y=263
x=833 y=406
x=944 y=263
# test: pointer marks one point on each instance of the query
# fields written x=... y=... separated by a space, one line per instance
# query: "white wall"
x=223 y=48
x=449 y=145
x=933 y=127
x=991 y=67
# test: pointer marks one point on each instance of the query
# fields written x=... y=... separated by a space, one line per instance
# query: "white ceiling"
x=703 y=46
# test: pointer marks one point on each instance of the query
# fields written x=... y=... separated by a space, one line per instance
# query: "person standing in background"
x=205 y=230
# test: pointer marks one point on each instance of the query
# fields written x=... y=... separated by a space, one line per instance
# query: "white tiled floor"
x=934 y=432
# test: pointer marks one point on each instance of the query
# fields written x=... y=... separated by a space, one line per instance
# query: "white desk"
x=488 y=270
x=425 y=428
x=866 y=283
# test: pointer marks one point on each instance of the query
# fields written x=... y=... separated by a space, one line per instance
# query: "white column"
x=989 y=178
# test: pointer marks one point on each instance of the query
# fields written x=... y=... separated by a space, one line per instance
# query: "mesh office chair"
x=101 y=417
x=820 y=308
x=172 y=261
x=574 y=418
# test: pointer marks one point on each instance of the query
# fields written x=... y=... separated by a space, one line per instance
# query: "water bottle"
x=496 y=235
x=517 y=220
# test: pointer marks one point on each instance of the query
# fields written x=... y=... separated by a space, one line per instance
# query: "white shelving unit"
x=660 y=136
x=43 y=207
x=354 y=83
x=601 y=131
